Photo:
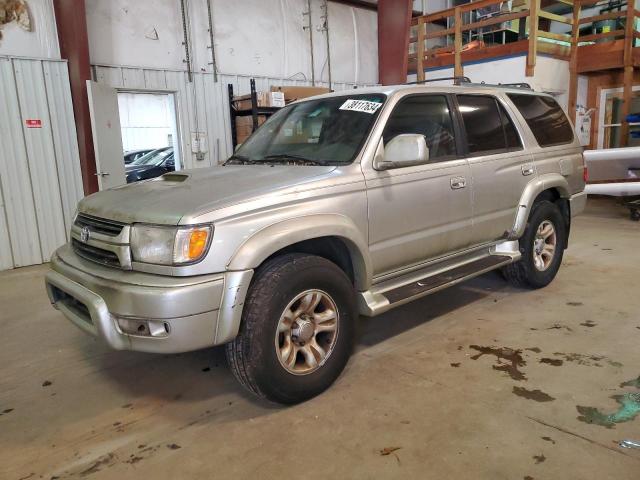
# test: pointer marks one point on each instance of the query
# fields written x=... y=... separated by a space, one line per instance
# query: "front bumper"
x=577 y=203
x=182 y=313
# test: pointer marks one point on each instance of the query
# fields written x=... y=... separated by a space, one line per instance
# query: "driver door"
x=421 y=212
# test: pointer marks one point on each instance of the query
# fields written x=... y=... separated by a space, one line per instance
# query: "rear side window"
x=510 y=132
x=427 y=115
x=489 y=128
x=545 y=118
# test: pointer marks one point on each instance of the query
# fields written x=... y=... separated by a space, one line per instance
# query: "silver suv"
x=340 y=205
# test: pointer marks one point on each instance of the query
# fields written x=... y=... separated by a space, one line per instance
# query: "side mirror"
x=403 y=150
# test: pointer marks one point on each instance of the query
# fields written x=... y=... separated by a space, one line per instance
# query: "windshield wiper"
x=239 y=160
x=290 y=158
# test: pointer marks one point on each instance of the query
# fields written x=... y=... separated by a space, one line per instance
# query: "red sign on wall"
x=33 y=123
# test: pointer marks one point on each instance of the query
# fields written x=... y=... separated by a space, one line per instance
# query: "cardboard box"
x=293 y=93
x=264 y=99
x=244 y=127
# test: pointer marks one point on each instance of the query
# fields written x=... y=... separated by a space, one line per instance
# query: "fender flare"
x=531 y=192
x=272 y=238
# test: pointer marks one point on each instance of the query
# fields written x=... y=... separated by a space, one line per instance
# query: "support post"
x=573 y=62
x=458 y=71
x=420 y=49
x=534 y=9
x=628 y=75
x=71 y=21
x=394 y=22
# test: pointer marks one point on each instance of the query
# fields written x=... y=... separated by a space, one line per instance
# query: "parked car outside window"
x=156 y=163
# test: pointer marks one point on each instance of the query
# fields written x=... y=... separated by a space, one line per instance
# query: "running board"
x=382 y=298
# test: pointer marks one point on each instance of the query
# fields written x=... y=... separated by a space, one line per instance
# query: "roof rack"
x=456 y=80
x=523 y=85
x=465 y=80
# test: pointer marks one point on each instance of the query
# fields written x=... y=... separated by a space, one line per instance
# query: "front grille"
x=99 y=225
x=98 y=255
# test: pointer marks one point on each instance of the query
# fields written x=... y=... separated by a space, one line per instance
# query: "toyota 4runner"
x=340 y=205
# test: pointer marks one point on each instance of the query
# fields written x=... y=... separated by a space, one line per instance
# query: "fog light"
x=143 y=328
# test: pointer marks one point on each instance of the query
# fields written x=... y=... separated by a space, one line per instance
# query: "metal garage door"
x=40 y=181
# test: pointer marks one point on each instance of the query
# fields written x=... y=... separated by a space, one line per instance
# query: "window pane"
x=427 y=115
x=482 y=122
x=318 y=130
x=513 y=139
x=545 y=118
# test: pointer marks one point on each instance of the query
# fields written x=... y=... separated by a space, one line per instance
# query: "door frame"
x=602 y=100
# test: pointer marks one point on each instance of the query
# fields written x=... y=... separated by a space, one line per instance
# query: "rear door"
x=500 y=166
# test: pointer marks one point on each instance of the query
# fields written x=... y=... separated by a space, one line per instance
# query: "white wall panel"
x=14 y=174
x=6 y=256
x=39 y=167
x=40 y=155
x=40 y=42
x=252 y=37
x=65 y=143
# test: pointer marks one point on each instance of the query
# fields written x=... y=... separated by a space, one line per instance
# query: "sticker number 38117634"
x=363 y=106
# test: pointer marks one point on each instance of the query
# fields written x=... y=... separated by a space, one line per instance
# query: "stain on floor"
x=539 y=458
x=509 y=360
x=537 y=395
x=555 y=362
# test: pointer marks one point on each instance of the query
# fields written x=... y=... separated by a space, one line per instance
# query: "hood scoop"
x=174 y=177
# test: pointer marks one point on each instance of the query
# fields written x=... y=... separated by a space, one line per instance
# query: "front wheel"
x=297 y=329
x=542 y=247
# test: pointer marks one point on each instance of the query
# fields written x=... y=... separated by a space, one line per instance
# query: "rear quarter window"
x=545 y=118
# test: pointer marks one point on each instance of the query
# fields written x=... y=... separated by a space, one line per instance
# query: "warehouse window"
x=545 y=118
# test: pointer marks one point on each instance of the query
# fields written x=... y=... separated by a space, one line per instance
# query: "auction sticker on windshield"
x=363 y=106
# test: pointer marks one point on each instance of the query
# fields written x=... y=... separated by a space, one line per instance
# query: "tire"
x=527 y=272
x=255 y=354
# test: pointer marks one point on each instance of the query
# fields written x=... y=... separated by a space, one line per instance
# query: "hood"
x=165 y=200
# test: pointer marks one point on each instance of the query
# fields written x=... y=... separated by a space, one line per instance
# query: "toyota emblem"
x=85 y=233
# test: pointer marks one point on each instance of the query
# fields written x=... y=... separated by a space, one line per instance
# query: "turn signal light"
x=197 y=243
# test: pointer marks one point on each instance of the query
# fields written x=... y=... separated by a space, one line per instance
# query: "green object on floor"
x=629 y=408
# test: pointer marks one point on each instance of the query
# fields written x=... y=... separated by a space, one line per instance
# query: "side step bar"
x=380 y=299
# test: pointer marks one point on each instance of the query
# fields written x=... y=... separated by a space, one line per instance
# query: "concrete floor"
x=418 y=382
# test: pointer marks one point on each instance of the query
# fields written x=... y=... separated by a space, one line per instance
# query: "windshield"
x=156 y=157
x=327 y=131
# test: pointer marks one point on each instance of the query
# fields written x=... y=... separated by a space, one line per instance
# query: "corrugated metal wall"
x=203 y=105
x=40 y=181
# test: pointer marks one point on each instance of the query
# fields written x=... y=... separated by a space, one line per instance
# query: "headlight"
x=169 y=245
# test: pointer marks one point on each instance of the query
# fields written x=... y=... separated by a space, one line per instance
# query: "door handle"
x=102 y=174
x=527 y=170
x=458 y=182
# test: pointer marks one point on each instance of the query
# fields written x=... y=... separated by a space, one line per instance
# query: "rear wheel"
x=542 y=247
x=297 y=329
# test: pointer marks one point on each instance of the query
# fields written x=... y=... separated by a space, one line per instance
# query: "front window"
x=326 y=131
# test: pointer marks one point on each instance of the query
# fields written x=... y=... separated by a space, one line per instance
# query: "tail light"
x=585 y=174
